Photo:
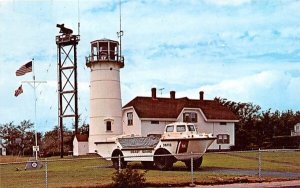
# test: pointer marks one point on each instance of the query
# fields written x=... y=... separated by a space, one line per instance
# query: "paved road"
x=287 y=184
x=264 y=173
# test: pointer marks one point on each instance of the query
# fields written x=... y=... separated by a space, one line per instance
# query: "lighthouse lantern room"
x=105 y=92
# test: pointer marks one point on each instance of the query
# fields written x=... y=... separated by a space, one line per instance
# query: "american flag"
x=18 y=91
x=24 y=69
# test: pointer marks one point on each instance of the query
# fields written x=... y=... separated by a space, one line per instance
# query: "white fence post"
x=259 y=164
x=119 y=162
x=46 y=173
x=192 y=170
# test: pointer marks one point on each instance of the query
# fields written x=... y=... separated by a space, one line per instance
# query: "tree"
x=51 y=141
x=257 y=129
x=248 y=114
x=84 y=128
x=18 y=139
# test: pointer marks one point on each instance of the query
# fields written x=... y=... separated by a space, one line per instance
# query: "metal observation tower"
x=67 y=78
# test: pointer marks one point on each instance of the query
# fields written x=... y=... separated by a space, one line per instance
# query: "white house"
x=2 y=148
x=80 y=145
x=296 y=131
x=149 y=115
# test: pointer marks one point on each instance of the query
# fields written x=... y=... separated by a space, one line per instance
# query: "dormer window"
x=190 y=117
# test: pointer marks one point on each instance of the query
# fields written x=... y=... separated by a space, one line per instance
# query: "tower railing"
x=105 y=57
x=67 y=39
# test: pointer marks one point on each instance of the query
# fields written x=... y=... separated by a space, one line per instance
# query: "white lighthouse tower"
x=105 y=92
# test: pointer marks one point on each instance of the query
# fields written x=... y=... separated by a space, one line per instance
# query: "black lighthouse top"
x=104 y=50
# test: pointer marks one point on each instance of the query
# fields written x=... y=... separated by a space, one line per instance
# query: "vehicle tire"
x=196 y=163
x=148 y=164
x=163 y=162
x=115 y=160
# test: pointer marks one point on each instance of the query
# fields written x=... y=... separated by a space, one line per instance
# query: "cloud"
x=228 y=2
x=269 y=89
x=228 y=48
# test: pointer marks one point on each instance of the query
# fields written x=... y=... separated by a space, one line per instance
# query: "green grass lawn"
x=95 y=172
x=274 y=161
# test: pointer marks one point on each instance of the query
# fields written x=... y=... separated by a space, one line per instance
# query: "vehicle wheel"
x=115 y=160
x=163 y=162
x=147 y=164
x=196 y=163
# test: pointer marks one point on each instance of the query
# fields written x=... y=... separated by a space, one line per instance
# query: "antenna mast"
x=78 y=26
x=161 y=89
x=120 y=33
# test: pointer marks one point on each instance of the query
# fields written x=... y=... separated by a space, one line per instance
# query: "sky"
x=241 y=50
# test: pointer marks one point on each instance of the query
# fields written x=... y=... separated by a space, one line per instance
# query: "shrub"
x=128 y=177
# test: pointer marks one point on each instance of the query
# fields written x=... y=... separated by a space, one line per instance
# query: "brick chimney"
x=201 y=94
x=153 y=91
x=172 y=94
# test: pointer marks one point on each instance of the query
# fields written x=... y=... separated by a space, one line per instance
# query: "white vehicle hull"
x=195 y=147
x=161 y=151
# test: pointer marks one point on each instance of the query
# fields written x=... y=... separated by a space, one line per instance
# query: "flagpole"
x=35 y=125
x=34 y=84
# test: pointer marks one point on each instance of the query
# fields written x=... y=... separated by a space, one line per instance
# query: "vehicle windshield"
x=170 y=128
x=180 y=128
x=191 y=127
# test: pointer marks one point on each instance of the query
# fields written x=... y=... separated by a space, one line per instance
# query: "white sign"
x=35 y=148
x=34 y=164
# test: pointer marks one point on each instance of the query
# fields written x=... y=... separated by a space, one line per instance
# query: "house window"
x=190 y=117
x=154 y=122
x=108 y=125
x=223 y=123
x=223 y=139
x=129 y=118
